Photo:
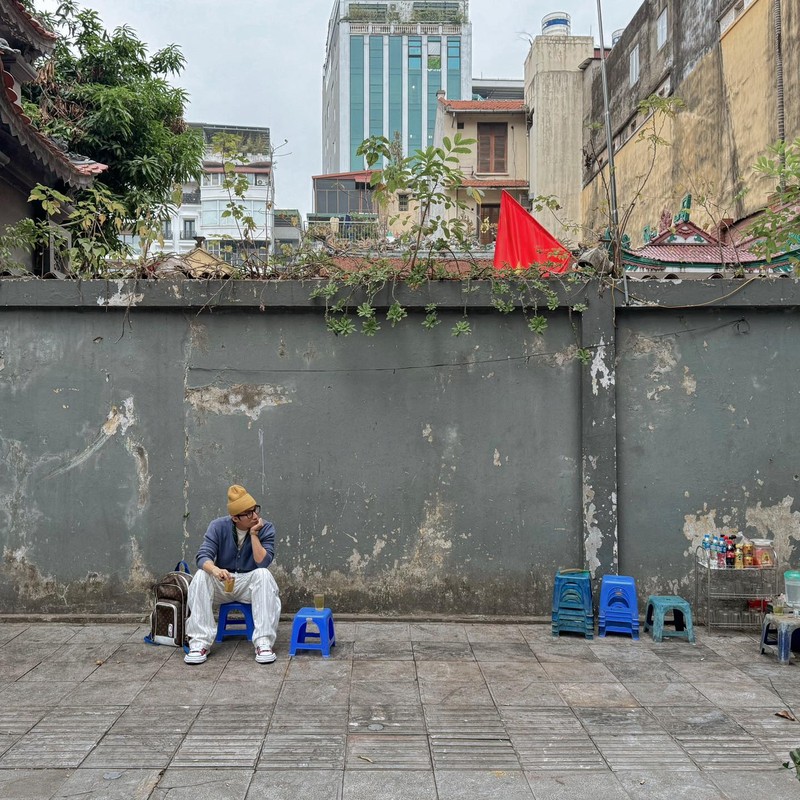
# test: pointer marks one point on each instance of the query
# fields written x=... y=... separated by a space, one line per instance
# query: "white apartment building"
x=202 y=210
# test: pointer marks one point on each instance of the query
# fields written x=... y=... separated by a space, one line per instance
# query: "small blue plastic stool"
x=572 y=603
x=781 y=631
x=235 y=627
x=303 y=639
x=658 y=606
x=619 y=608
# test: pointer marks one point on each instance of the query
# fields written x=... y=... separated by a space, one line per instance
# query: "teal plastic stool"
x=658 y=606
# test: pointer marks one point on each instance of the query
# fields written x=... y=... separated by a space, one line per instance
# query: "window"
x=634 y=65
x=402 y=202
x=166 y=229
x=189 y=231
x=492 y=141
x=661 y=29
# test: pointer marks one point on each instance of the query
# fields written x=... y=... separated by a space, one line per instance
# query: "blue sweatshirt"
x=219 y=546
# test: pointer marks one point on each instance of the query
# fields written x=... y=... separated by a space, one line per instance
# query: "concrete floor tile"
x=291 y=785
x=406 y=784
x=488 y=632
x=618 y=721
x=575 y=786
x=524 y=692
x=31 y=784
x=330 y=692
x=503 y=652
x=108 y=632
x=396 y=692
x=399 y=632
x=775 y=784
x=383 y=671
x=318 y=669
x=667 y=694
x=370 y=751
x=35 y=694
x=484 y=784
x=109 y=784
x=315 y=719
x=387 y=718
x=597 y=695
x=203 y=784
x=728 y=695
x=578 y=672
x=281 y=751
x=454 y=693
x=630 y=672
x=437 y=632
x=453 y=671
x=163 y=694
x=666 y=785
x=383 y=650
x=101 y=693
x=564 y=652
x=494 y=671
x=696 y=720
x=232 y=692
x=440 y=651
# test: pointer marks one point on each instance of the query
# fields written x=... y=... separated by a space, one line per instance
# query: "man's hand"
x=216 y=572
x=257 y=526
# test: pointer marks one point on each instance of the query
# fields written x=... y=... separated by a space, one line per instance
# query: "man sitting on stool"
x=236 y=548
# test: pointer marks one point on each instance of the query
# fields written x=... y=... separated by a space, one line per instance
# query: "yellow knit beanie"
x=239 y=500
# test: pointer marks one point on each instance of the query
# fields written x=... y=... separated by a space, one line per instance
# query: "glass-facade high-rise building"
x=384 y=64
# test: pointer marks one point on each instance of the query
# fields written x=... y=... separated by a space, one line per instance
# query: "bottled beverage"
x=707 y=549
x=730 y=554
x=714 y=554
x=721 y=552
x=739 y=562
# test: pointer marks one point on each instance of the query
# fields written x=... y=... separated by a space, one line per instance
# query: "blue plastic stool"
x=235 y=627
x=619 y=608
x=781 y=631
x=658 y=606
x=303 y=639
x=572 y=603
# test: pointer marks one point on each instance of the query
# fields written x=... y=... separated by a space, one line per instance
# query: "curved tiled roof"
x=73 y=169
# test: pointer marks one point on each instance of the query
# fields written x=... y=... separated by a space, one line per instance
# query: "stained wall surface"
x=410 y=473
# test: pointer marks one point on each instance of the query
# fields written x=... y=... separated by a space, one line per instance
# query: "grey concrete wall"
x=409 y=473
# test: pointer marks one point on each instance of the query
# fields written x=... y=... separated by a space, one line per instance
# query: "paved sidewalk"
x=402 y=710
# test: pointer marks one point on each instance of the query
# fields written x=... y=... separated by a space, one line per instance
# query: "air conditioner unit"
x=260 y=182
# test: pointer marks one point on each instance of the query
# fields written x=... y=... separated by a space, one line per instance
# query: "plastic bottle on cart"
x=739 y=563
x=730 y=555
x=707 y=549
x=712 y=556
x=721 y=553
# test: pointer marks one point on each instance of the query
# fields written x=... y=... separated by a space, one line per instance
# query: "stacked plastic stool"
x=658 y=606
x=313 y=629
x=619 y=608
x=572 y=603
x=228 y=625
x=781 y=631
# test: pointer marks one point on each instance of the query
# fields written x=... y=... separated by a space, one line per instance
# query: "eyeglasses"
x=253 y=512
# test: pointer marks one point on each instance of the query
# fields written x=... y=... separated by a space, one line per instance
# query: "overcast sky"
x=259 y=62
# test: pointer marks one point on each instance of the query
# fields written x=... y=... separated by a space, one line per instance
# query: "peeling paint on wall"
x=661 y=350
x=139 y=579
x=601 y=372
x=142 y=462
x=121 y=297
x=592 y=535
x=242 y=398
x=689 y=382
x=118 y=421
x=780 y=524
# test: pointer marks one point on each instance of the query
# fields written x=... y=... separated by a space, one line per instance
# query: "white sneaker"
x=196 y=655
x=264 y=655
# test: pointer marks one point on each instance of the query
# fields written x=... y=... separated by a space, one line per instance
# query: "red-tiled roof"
x=697 y=254
x=32 y=21
x=76 y=171
x=482 y=105
x=495 y=183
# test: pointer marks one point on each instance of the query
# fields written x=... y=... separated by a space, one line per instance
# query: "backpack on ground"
x=168 y=620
